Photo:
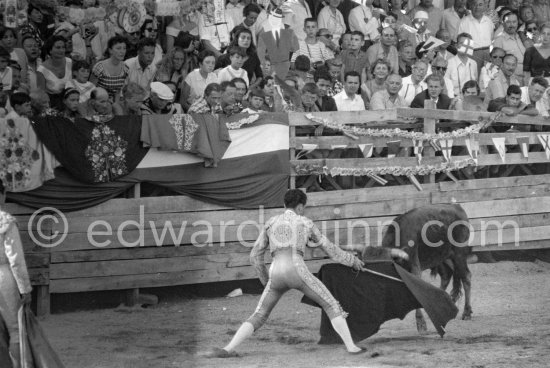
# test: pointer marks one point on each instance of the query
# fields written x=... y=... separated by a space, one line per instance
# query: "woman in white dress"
x=55 y=72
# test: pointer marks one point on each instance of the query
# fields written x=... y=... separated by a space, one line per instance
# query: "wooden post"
x=132 y=295
x=42 y=300
x=429 y=127
x=292 y=153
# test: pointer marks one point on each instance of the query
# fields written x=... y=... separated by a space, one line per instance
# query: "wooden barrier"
x=214 y=241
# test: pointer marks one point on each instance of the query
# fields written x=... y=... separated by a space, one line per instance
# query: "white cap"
x=421 y=15
x=162 y=91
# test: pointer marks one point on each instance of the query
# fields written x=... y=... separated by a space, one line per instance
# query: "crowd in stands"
x=349 y=55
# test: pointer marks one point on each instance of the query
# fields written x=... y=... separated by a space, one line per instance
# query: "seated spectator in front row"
x=98 y=108
x=471 y=101
x=229 y=104
x=81 y=72
x=348 y=99
x=434 y=92
x=310 y=95
x=256 y=98
x=534 y=95
x=414 y=83
x=324 y=83
x=21 y=105
x=132 y=97
x=235 y=69
x=388 y=98
x=210 y=103
x=511 y=104
x=160 y=100
x=240 y=91
x=70 y=100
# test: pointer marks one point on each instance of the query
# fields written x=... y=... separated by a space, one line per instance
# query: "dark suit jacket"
x=443 y=103
x=327 y=104
x=279 y=53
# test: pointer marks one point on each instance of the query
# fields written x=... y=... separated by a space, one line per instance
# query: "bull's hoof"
x=466 y=317
x=421 y=326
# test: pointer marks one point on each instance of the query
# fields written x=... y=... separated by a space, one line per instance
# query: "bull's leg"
x=446 y=275
x=421 y=325
x=467 y=284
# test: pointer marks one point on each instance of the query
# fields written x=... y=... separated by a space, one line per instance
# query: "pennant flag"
x=415 y=182
x=435 y=145
x=378 y=150
x=366 y=149
x=446 y=148
x=431 y=43
x=466 y=47
x=473 y=148
x=393 y=148
x=337 y=146
x=524 y=145
x=501 y=147
x=544 y=138
x=306 y=148
x=450 y=175
x=418 y=148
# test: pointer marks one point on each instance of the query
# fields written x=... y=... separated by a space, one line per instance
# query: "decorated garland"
x=244 y=121
x=353 y=131
x=308 y=169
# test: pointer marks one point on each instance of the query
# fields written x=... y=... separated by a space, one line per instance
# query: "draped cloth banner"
x=253 y=171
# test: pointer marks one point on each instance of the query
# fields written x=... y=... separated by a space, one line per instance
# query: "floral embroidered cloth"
x=24 y=161
x=199 y=134
x=93 y=152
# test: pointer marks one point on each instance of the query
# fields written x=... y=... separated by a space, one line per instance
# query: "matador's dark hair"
x=294 y=197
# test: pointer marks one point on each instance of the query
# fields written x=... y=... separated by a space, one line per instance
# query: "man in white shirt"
x=388 y=98
x=361 y=19
x=331 y=19
x=461 y=68
x=414 y=83
x=295 y=12
x=215 y=35
x=480 y=27
x=348 y=99
x=452 y=17
x=534 y=95
x=140 y=68
x=511 y=43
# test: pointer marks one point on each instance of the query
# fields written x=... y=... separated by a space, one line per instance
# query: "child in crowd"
x=256 y=99
x=21 y=104
x=235 y=70
x=315 y=50
x=81 y=72
x=266 y=66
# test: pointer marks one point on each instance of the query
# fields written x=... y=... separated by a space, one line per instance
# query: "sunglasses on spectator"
x=442 y=68
x=497 y=57
x=532 y=29
x=326 y=35
x=150 y=29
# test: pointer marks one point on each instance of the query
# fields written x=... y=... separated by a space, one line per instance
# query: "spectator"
x=331 y=19
x=215 y=37
x=15 y=286
x=406 y=58
x=295 y=12
x=251 y=13
x=21 y=106
x=361 y=19
x=534 y=95
x=414 y=84
x=348 y=99
x=228 y=103
x=210 y=103
x=111 y=73
x=160 y=100
x=511 y=43
x=6 y=73
x=172 y=67
x=389 y=98
x=335 y=70
x=439 y=67
x=323 y=81
x=149 y=29
x=251 y=62
x=385 y=49
x=325 y=37
x=380 y=71
x=140 y=68
x=70 y=100
x=434 y=18
x=234 y=70
x=32 y=54
x=132 y=97
x=80 y=82
x=196 y=81
x=490 y=70
x=446 y=51
x=234 y=10
x=184 y=24
x=106 y=30
x=256 y=100
x=355 y=59
x=481 y=29
x=452 y=17
x=98 y=108
x=511 y=104
x=301 y=72
x=56 y=71
x=40 y=103
x=16 y=78
x=470 y=88
x=309 y=96
x=422 y=33
x=498 y=86
x=35 y=18
x=267 y=85
x=240 y=91
x=461 y=68
x=541 y=8
x=311 y=47
x=8 y=40
x=536 y=62
x=434 y=92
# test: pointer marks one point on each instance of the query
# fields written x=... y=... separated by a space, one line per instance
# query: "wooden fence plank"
x=513 y=181
x=473 y=195
x=508 y=207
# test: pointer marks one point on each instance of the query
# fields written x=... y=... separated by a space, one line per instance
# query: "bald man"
x=389 y=98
